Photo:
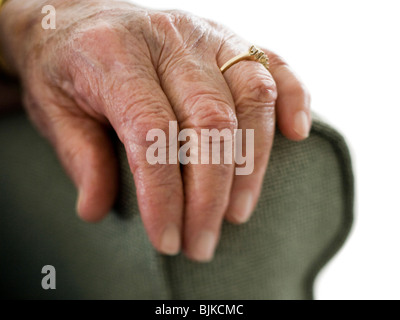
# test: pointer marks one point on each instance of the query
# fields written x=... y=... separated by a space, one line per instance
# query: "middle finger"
x=202 y=101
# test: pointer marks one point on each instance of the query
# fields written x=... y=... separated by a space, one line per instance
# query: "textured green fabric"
x=301 y=220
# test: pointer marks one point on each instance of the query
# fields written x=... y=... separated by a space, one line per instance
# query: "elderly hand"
x=111 y=63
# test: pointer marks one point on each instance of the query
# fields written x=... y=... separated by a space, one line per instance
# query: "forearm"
x=21 y=21
x=22 y=34
x=11 y=35
x=17 y=21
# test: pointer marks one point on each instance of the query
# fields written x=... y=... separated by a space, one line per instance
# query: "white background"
x=348 y=54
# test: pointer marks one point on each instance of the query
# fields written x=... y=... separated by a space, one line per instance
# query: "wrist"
x=20 y=29
x=14 y=17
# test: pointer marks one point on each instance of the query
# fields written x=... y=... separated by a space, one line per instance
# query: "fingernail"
x=301 y=124
x=204 y=247
x=170 y=240
x=242 y=206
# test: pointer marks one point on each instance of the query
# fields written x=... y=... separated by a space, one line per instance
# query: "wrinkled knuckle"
x=137 y=123
x=263 y=90
x=216 y=118
x=217 y=26
x=178 y=67
x=260 y=92
x=180 y=18
x=210 y=113
x=144 y=125
x=188 y=32
x=179 y=14
x=166 y=20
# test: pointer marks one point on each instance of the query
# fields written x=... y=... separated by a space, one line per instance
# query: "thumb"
x=86 y=152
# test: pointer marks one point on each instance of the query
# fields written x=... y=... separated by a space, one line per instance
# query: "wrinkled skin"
x=115 y=65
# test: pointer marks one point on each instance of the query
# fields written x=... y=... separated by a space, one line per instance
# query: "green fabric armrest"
x=302 y=218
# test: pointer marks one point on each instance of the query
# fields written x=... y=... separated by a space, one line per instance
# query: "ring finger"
x=254 y=93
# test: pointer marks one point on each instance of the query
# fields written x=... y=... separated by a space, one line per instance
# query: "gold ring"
x=254 y=54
